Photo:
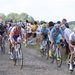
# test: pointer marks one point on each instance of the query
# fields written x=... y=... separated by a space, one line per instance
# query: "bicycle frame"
x=44 y=43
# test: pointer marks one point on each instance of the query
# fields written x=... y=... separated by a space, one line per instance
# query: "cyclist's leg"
x=0 y=42
x=51 y=45
x=71 y=58
x=19 y=42
x=48 y=43
x=12 y=47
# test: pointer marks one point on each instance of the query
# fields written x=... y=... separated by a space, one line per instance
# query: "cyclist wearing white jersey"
x=71 y=46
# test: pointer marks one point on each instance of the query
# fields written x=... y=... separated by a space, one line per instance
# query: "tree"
x=2 y=16
x=14 y=16
x=23 y=16
x=38 y=22
x=30 y=19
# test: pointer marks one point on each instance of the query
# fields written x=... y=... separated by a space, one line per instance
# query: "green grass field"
x=71 y=27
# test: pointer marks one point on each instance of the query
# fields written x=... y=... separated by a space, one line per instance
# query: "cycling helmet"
x=19 y=24
x=13 y=24
x=43 y=25
x=56 y=26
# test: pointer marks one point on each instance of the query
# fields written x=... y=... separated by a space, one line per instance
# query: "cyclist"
x=44 y=34
x=2 y=33
x=9 y=30
x=15 y=35
x=54 y=37
x=71 y=46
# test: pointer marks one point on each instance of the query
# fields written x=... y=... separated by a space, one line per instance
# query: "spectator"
x=27 y=29
x=34 y=29
x=59 y=23
x=64 y=21
x=51 y=25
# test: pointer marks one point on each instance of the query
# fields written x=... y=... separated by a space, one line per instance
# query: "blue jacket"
x=67 y=26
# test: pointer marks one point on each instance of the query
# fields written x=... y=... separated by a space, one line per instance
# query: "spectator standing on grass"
x=67 y=33
x=34 y=29
x=64 y=21
x=28 y=30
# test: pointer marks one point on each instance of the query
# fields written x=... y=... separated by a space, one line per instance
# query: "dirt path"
x=34 y=64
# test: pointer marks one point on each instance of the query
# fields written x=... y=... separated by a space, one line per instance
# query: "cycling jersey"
x=55 y=34
x=72 y=37
x=15 y=34
x=15 y=31
x=9 y=30
x=45 y=32
x=2 y=30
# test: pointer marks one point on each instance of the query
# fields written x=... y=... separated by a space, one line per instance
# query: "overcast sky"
x=48 y=10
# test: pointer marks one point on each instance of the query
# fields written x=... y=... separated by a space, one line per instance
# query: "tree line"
x=72 y=23
x=17 y=17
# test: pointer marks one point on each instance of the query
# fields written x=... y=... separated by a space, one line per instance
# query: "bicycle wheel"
x=42 y=52
x=52 y=58
x=20 y=58
x=46 y=52
x=58 y=57
x=15 y=55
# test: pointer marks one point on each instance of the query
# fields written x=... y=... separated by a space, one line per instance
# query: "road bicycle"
x=56 y=54
x=68 y=60
x=18 y=55
x=44 y=49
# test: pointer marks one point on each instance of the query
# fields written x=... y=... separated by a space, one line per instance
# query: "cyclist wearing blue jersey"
x=54 y=36
x=44 y=34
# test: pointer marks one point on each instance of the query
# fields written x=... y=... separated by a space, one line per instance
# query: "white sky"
x=48 y=10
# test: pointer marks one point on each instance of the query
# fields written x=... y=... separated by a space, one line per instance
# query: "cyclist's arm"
x=70 y=44
x=51 y=34
x=62 y=33
x=70 y=41
x=12 y=33
x=51 y=37
x=63 y=38
x=41 y=35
